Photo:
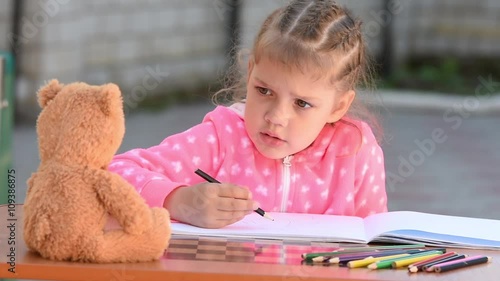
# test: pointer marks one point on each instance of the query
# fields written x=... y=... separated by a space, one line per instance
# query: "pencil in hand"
x=208 y=178
x=263 y=213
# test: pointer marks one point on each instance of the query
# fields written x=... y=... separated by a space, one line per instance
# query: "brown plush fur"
x=72 y=195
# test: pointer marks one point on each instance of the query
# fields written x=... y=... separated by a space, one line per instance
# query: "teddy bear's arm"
x=122 y=201
x=30 y=183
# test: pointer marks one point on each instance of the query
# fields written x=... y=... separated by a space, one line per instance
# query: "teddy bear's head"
x=80 y=124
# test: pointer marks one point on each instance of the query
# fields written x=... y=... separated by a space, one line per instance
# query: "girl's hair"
x=318 y=37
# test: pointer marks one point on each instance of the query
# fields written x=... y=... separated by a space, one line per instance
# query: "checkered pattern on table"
x=243 y=250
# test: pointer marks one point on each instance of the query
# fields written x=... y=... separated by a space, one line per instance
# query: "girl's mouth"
x=271 y=139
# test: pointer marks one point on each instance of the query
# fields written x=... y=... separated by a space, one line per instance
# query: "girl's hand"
x=210 y=205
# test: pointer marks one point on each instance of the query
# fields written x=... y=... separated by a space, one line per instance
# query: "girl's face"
x=286 y=109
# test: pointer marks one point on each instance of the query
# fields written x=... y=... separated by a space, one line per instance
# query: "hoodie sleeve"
x=370 y=196
x=156 y=171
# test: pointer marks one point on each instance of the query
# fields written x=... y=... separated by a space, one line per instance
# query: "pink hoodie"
x=341 y=172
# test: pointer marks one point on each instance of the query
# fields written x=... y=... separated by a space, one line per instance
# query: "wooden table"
x=209 y=265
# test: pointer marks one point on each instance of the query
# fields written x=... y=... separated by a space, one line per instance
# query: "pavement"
x=442 y=153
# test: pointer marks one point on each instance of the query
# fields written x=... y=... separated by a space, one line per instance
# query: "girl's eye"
x=302 y=104
x=263 y=91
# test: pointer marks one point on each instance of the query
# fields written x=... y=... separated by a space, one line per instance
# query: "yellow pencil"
x=367 y=261
x=410 y=260
x=388 y=262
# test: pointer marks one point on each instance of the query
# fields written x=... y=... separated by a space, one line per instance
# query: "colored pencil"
x=424 y=262
x=388 y=263
x=208 y=178
x=418 y=266
x=357 y=256
x=368 y=261
x=345 y=261
x=410 y=260
x=347 y=258
x=461 y=263
x=430 y=267
x=361 y=249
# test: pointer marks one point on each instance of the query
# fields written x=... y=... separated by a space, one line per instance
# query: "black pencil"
x=208 y=178
x=456 y=264
x=428 y=266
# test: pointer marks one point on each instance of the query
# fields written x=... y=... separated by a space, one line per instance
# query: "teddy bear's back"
x=61 y=208
x=69 y=197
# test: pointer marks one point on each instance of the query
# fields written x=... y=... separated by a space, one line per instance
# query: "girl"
x=286 y=144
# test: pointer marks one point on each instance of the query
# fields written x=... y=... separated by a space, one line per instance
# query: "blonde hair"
x=319 y=37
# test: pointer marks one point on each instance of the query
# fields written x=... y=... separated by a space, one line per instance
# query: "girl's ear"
x=342 y=106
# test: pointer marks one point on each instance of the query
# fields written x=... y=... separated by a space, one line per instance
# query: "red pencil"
x=418 y=265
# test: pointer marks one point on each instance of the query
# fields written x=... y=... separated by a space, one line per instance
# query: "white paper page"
x=290 y=226
x=450 y=225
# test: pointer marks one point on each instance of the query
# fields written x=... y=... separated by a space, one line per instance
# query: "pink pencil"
x=451 y=265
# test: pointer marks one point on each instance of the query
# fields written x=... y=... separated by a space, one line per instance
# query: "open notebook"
x=391 y=227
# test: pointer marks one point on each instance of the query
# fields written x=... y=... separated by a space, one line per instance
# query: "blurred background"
x=437 y=63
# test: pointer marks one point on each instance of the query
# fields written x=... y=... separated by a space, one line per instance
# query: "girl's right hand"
x=210 y=205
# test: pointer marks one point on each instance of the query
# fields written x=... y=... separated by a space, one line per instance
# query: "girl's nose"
x=278 y=115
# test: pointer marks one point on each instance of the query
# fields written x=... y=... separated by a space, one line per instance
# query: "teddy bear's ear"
x=48 y=92
x=111 y=97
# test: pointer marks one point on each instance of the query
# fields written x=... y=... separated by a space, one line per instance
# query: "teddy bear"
x=72 y=197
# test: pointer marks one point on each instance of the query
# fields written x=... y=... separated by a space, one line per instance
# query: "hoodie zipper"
x=286 y=182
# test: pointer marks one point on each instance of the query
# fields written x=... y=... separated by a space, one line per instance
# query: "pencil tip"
x=334 y=260
x=268 y=217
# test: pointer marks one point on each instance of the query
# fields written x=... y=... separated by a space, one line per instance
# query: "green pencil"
x=341 y=251
x=388 y=263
